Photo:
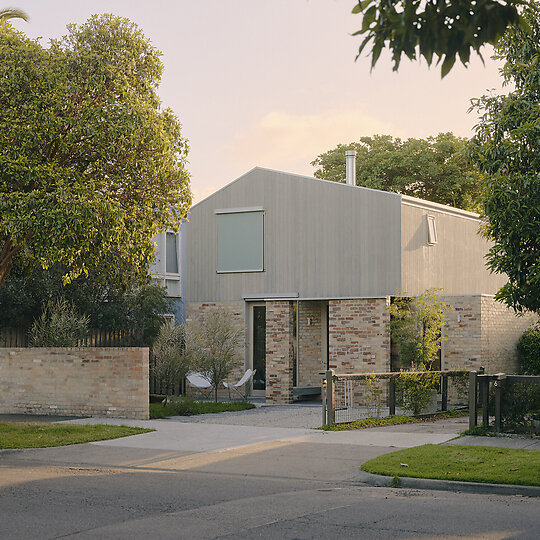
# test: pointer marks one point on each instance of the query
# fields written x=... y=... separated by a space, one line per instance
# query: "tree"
x=506 y=148
x=108 y=302
x=212 y=346
x=12 y=13
x=91 y=167
x=444 y=29
x=435 y=168
x=416 y=325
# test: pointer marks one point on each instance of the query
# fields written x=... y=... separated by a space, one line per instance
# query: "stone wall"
x=75 y=381
x=199 y=311
x=311 y=359
x=279 y=352
x=359 y=340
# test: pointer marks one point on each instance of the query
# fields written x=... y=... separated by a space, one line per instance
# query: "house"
x=167 y=271
x=307 y=268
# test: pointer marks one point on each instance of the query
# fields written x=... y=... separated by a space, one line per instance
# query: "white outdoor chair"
x=248 y=375
x=201 y=383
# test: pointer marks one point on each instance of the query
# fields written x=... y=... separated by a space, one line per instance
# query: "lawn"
x=43 y=435
x=464 y=463
x=189 y=407
x=393 y=420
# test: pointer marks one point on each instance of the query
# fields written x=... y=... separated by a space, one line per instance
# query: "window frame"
x=432 y=238
x=244 y=210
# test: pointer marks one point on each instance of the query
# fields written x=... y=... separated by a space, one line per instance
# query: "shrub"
x=520 y=407
x=59 y=325
x=169 y=361
x=212 y=346
x=416 y=389
x=529 y=351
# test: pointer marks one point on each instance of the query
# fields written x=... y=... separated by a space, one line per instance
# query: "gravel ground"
x=297 y=415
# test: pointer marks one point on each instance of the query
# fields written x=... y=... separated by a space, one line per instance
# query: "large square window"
x=240 y=242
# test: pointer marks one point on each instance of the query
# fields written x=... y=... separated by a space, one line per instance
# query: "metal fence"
x=349 y=397
x=510 y=402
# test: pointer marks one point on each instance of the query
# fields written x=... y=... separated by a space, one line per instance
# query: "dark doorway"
x=259 y=347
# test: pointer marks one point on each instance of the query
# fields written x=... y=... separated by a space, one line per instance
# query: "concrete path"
x=177 y=434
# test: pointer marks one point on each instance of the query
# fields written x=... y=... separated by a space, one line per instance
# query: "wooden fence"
x=329 y=389
x=98 y=337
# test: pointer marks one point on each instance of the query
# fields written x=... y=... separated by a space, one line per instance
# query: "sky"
x=274 y=83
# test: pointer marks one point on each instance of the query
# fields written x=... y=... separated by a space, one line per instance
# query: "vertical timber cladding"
x=279 y=351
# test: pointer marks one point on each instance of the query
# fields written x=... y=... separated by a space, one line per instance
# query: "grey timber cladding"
x=456 y=263
x=321 y=239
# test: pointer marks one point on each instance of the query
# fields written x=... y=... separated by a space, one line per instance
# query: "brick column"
x=279 y=352
x=359 y=339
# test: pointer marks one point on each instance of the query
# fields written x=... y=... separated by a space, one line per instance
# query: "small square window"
x=240 y=243
x=432 y=230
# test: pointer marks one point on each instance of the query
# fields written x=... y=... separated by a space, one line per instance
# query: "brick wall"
x=199 y=311
x=482 y=332
x=462 y=333
x=311 y=359
x=359 y=340
x=75 y=382
x=501 y=330
x=279 y=352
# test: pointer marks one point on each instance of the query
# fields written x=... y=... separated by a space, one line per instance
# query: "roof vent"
x=350 y=167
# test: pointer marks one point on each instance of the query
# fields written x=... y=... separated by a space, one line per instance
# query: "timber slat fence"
x=329 y=390
x=97 y=337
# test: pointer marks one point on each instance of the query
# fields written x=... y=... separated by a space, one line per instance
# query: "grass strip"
x=43 y=435
x=485 y=464
x=189 y=407
x=393 y=420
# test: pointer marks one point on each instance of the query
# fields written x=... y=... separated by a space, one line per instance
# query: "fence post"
x=330 y=397
x=480 y=397
x=499 y=385
x=392 y=396
x=323 y=401
x=444 y=392
x=472 y=400
x=484 y=385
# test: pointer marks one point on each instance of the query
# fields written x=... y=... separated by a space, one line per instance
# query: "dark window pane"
x=171 y=260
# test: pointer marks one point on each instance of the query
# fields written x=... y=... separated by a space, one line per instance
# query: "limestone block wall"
x=279 y=352
x=310 y=343
x=75 y=381
x=199 y=311
x=359 y=340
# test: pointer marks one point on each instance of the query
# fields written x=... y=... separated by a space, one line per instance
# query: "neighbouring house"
x=167 y=270
x=307 y=268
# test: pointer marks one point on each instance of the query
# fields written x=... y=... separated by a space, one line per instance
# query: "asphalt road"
x=193 y=480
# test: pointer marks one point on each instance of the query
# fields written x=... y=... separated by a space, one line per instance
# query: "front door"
x=258 y=348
